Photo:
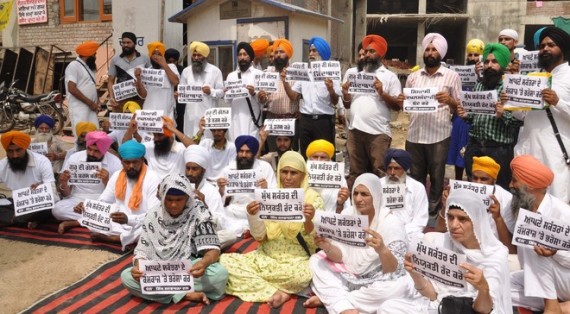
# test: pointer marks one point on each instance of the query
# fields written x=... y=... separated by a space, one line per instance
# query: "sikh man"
x=317 y=119
x=543 y=284
x=235 y=211
x=98 y=144
x=369 y=134
x=222 y=151
x=20 y=169
x=260 y=46
x=415 y=213
x=492 y=135
x=283 y=144
x=44 y=125
x=172 y=56
x=81 y=130
x=133 y=192
x=538 y=137
x=118 y=136
x=80 y=82
x=209 y=77
x=510 y=38
x=429 y=133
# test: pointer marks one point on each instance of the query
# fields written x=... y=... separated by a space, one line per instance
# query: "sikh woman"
x=180 y=228
x=347 y=279
x=486 y=269
x=280 y=265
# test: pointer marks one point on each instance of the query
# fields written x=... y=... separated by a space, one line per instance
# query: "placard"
x=467 y=75
x=120 y=121
x=96 y=216
x=28 y=201
x=323 y=70
x=438 y=263
x=298 y=71
x=124 y=90
x=529 y=62
x=420 y=100
x=153 y=77
x=218 y=118
x=150 y=121
x=84 y=173
x=166 y=277
x=190 y=94
x=40 y=148
x=479 y=102
x=362 y=83
x=281 y=204
x=347 y=229
x=32 y=11
x=524 y=91
x=535 y=229
x=241 y=181
x=325 y=174
x=235 y=90
x=280 y=127
x=483 y=190
x=267 y=81
x=394 y=196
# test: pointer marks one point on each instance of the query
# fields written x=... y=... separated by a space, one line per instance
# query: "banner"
x=84 y=173
x=298 y=71
x=96 y=216
x=40 y=148
x=347 y=229
x=28 y=201
x=124 y=90
x=325 y=174
x=362 y=83
x=235 y=90
x=267 y=81
x=32 y=11
x=119 y=121
x=281 y=204
x=323 y=70
x=483 y=190
x=153 y=77
x=420 y=99
x=190 y=93
x=218 y=118
x=524 y=91
x=529 y=62
x=438 y=263
x=467 y=75
x=150 y=120
x=479 y=102
x=241 y=181
x=280 y=127
x=166 y=277
x=535 y=229
x=394 y=196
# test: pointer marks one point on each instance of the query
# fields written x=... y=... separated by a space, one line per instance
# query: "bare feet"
x=312 y=302
x=98 y=237
x=278 y=298
x=33 y=224
x=66 y=225
x=198 y=297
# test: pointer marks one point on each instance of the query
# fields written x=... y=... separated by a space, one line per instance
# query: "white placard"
x=529 y=62
x=535 y=229
x=483 y=190
x=524 y=91
x=438 y=263
x=120 y=121
x=267 y=81
x=479 y=102
x=218 y=118
x=96 y=216
x=325 y=174
x=150 y=121
x=280 y=127
x=467 y=75
x=420 y=99
x=153 y=77
x=323 y=70
x=28 y=201
x=235 y=90
x=362 y=83
x=241 y=181
x=84 y=173
x=298 y=71
x=166 y=277
x=124 y=90
x=281 y=204
x=347 y=229
x=394 y=196
x=190 y=94
x=40 y=148
x=31 y=11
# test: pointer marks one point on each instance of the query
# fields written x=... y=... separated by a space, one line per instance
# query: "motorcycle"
x=18 y=107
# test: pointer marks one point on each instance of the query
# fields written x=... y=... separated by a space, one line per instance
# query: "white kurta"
x=79 y=73
x=219 y=158
x=162 y=98
x=39 y=170
x=173 y=163
x=330 y=197
x=213 y=201
x=242 y=121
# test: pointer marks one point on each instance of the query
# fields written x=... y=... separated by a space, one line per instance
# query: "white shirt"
x=118 y=135
x=79 y=73
x=242 y=121
x=39 y=170
x=330 y=196
x=162 y=98
x=173 y=163
x=316 y=97
x=219 y=159
x=110 y=162
x=213 y=200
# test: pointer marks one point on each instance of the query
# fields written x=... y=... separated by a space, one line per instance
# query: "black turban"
x=402 y=157
x=248 y=49
x=559 y=37
x=171 y=53
x=130 y=36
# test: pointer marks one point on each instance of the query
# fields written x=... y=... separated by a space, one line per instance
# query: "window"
x=223 y=58
x=73 y=11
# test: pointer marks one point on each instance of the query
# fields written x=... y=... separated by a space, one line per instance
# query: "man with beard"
x=492 y=135
x=429 y=132
x=538 y=137
x=133 y=191
x=81 y=130
x=510 y=38
x=235 y=210
x=369 y=133
x=98 y=144
x=282 y=142
x=44 y=125
x=80 y=76
x=260 y=46
x=20 y=169
x=317 y=119
x=209 y=77
x=221 y=150
x=543 y=284
x=415 y=212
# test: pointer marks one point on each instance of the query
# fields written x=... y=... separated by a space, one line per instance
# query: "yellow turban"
x=156 y=45
x=259 y=46
x=320 y=146
x=531 y=172
x=200 y=48
x=131 y=106
x=285 y=45
x=17 y=138
x=83 y=126
x=486 y=164
x=475 y=46
x=87 y=49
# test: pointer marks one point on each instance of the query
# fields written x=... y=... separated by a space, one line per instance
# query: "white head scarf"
x=197 y=154
x=511 y=33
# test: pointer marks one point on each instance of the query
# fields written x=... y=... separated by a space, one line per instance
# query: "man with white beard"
x=44 y=125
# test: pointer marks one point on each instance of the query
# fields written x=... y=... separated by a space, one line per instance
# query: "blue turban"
x=322 y=47
x=248 y=140
x=536 y=37
x=132 y=149
x=44 y=118
x=402 y=157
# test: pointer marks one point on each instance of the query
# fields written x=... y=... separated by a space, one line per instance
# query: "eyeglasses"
x=549 y=45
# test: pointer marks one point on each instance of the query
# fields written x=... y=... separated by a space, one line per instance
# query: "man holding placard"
x=282 y=142
x=510 y=38
x=44 y=125
x=222 y=151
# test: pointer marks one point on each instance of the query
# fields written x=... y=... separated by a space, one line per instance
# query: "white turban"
x=438 y=42
x=511 y=33
x=197 y=154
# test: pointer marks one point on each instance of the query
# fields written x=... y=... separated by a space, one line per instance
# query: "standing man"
x=428 y=133
x=510 y=38
x=172 y=56
x=260 y=46
x=80 y=83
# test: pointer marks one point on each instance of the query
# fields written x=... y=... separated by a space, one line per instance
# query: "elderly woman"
x=347 y=279
x=280 y=266
x=486 y=269
x=180 y=228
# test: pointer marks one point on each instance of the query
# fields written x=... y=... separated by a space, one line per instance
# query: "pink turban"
x=438 y=42
x=531 y=172
x=99 y=138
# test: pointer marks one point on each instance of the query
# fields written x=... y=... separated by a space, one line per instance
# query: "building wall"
x=488 y=18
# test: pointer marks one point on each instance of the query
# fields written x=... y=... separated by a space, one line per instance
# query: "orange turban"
x=378 y=43
x=285 y=45
x=165 y=131
x=86 y=127
x=87 y=49
x=486 y=164
x=154 y=46
x=259 y=47
x=17 y=138
x=531 y=172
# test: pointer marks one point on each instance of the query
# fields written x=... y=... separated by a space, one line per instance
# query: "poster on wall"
x=32 y=11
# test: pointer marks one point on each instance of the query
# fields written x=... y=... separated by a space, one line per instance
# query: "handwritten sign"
x=535 y=229
x=120 y=121
x=467 y=75
x=153 y=77
x=241 y=181
x=323 y=70
x=394 y=196
x=166 y=277
x=235 y=90
x=281 y=204
x=218 y=118
x=529 y=62
x=84 y=173
x=347 y=229
x=124 y=90
x=283 y=127
x=420 y=99
x=40 y=148
x=28 y=201
x=267 y=81
x=96 y=216
x=479 y=102
x=438 y=263
x=483 y=190
x=325 y=174
x=190 y=93
x=524 y=91
x=32 y=11
x=298 y=71
x=362 y=83
x=150 y=120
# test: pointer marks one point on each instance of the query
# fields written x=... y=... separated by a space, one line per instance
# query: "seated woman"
x=486 y=270
x=280 y=265
x=180 y=228
x=347 y=279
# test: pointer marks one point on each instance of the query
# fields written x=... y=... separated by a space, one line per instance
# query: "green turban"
x=501 y=53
